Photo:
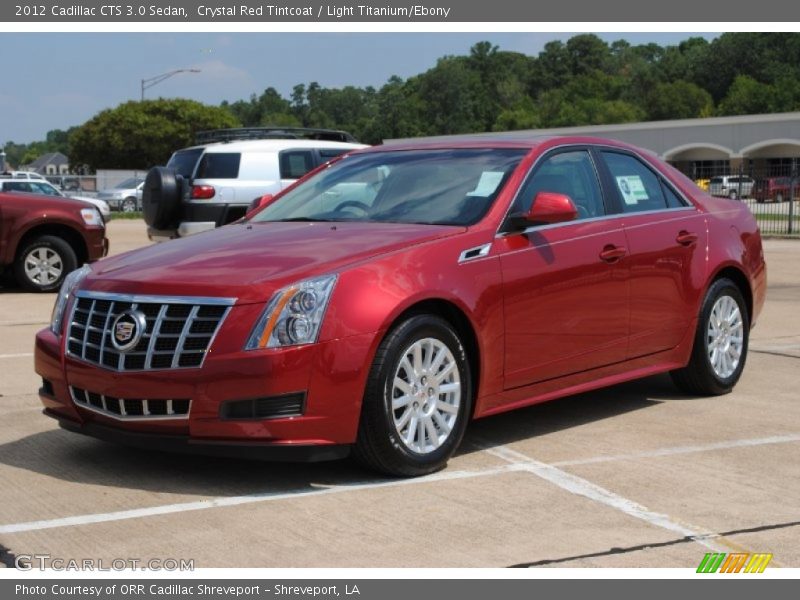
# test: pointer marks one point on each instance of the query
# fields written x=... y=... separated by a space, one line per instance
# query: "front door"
x=565 y=286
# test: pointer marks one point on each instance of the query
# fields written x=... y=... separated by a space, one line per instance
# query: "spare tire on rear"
x=161 y=198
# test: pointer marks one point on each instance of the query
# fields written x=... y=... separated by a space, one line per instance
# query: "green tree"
x=678 y=100
x=139 y=135
x=746 y=96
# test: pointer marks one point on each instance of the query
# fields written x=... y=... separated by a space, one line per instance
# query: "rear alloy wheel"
x=779 y=197
x=129 y=205
x=720 y=345
x=417 y=401
x=733 y=195
x=43 y=263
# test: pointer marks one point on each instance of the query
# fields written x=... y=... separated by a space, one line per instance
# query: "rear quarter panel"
x=735 y=241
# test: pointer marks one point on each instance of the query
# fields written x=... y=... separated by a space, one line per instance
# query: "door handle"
x=686 y=238
x=612 y=253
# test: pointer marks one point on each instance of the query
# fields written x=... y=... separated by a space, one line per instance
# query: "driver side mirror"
x=547 y=208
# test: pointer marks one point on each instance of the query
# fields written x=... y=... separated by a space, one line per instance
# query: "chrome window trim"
x=589 y=146
x=154 y=299
x=123 y=416
x=534 y=228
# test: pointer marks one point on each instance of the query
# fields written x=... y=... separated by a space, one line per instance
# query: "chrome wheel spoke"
x=404 y=419
x=442 y=406
x=411 y=432
x=430 y=428
x=401 y=385
x=400 y=402
x=440 y=421
x=449 y=387
x=442 y=375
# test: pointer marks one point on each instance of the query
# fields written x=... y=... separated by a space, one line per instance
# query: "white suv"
x=214 y=183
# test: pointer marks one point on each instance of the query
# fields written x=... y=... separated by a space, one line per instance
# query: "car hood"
x=250 y=261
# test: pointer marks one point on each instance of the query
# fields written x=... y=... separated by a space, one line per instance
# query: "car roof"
x=272 y=145
x=503 y=141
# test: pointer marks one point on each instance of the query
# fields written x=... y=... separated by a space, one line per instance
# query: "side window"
x=568 y=173
x=219 y=165
x=296 y=163
x=639 y=189
x=41 y=188
x=326 y=154
x=673 y=200
x=18 y=186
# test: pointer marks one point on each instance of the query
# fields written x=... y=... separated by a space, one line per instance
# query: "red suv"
x=388 y=298
x=44 y=238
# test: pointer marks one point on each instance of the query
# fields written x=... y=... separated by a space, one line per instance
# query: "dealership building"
x=762 y=145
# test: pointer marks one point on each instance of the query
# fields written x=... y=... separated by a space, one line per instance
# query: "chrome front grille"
x=131 y=408
x=178 y=334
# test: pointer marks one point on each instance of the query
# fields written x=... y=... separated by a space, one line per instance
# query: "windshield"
x=184 y=161
x=442 y=187
x=129 y=183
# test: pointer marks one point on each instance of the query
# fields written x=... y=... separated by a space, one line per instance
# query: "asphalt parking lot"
x=636 y=475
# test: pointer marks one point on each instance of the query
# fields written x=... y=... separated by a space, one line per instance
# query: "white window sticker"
x=487 y=185
x=632 y=189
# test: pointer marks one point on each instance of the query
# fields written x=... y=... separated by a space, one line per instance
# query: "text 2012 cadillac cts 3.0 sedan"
x=386 y=299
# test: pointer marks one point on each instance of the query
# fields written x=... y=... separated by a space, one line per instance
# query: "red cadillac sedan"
x=385 y=300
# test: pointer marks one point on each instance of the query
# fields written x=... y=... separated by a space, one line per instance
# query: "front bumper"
x=331 y=374
x=185 y=444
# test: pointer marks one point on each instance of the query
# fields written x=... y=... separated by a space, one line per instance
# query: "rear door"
x=666 y=237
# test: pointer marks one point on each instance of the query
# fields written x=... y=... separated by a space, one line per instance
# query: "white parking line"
x=20 y=355
x=152 y=511
x=677 y=450
x=581 y=487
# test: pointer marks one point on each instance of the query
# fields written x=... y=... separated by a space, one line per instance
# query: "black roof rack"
x=265 y=133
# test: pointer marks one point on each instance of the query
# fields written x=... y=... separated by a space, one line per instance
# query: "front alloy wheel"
x=417 y=401
x=426 y=395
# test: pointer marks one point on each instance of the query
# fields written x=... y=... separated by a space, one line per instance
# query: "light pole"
x=2 y=160
x=148 y=83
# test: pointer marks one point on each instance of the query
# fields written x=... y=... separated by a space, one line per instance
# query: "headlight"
x=293 y=316
x=71 y=281
x=91 y=216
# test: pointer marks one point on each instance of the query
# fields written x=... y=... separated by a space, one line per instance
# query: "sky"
x=63 y=79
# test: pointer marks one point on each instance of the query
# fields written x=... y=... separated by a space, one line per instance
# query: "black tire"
x=733 y=195
x=161 y=198
x=699 y=377
x=779 y=197
x=379 y=445
x=128 y=205
x=48 y=245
